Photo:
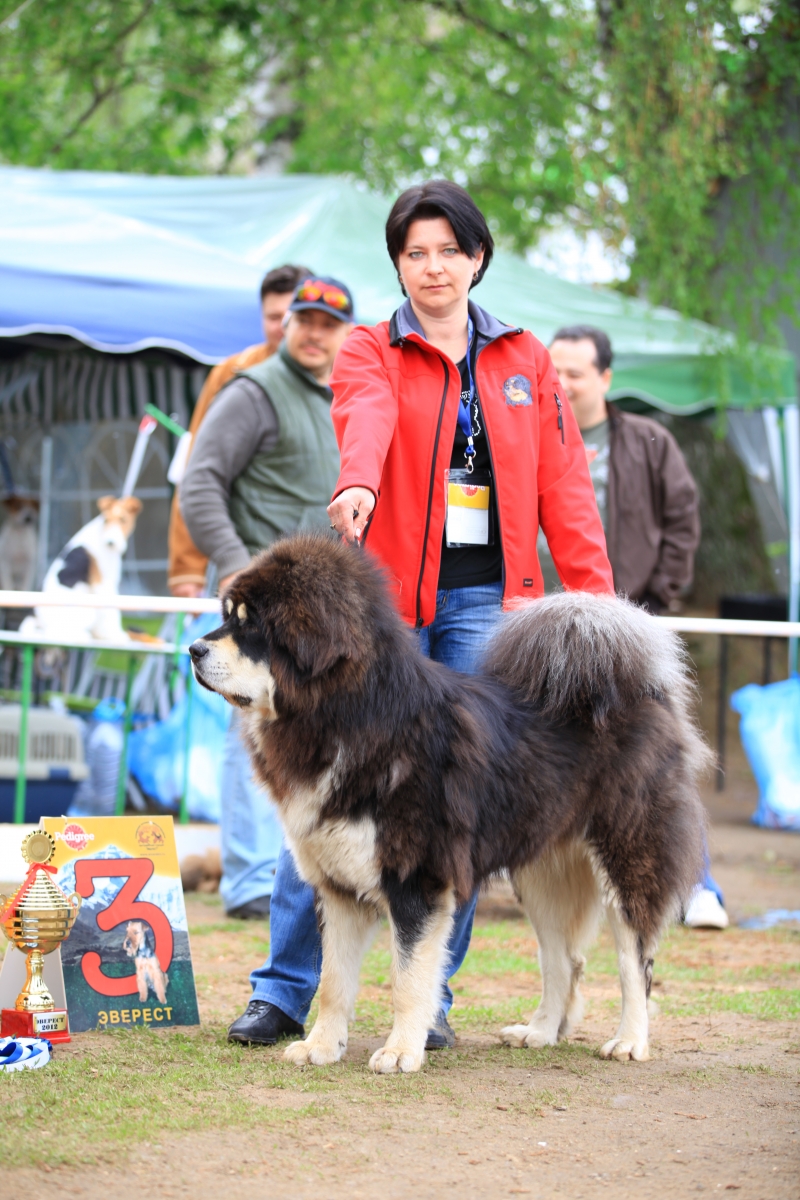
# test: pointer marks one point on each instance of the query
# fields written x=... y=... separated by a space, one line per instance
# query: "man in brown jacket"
x=187 y=564
x=647 y=498
x=648 y=504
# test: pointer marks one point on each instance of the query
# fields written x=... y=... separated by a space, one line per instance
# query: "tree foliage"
x=669 y=126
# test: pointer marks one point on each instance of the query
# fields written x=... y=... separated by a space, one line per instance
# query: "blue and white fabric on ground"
x=19 y=1054
x=770 y=733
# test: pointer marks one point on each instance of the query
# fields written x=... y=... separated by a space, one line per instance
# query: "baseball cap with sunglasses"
x=325 y=295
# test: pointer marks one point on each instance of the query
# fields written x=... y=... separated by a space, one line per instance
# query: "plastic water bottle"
x=97 y=795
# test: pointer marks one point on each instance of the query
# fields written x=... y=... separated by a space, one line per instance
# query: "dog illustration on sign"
x=139 y=944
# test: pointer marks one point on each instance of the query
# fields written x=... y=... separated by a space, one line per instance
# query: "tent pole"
x=791 y=433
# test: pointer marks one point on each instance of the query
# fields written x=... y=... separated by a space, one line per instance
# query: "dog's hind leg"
x=159 y=983
x=635 y=973
x=347 y=929
x=141 y=979
x=560 y=896
x=420 y=933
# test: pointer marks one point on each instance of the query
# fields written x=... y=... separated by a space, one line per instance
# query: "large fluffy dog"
x=571 y=761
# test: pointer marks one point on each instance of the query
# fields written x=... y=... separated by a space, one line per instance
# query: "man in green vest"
x=265 y=463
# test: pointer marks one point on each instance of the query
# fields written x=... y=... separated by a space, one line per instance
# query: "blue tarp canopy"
x=124 y=262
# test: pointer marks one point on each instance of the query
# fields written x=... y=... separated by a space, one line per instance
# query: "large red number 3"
x=124 y=907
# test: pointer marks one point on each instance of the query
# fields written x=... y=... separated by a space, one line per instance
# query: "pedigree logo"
x=75 y=836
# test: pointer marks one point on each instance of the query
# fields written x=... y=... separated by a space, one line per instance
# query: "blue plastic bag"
x=156 y=752
x=770 y=733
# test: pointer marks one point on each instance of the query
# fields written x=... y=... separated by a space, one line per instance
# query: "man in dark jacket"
x=647 y=498
x=648 y=504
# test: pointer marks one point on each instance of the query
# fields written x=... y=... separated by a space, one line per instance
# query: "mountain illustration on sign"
x=158 y=890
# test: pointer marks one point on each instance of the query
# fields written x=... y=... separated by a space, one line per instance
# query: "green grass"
x=170 y=1081
x=771 y=1004
x=138 y=1080
x=137 y=1083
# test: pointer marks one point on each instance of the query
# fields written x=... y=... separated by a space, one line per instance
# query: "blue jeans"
x=251 y=833
x=290 y=976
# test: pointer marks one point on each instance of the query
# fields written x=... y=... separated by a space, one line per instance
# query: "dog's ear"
x=13 y=503
x=105 y=502
x=316 y=648
x=131 y=505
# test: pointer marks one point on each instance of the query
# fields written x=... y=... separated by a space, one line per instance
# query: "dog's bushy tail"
x=577 y=656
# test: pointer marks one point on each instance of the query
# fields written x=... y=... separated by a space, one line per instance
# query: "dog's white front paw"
x=393 y=1062
x=527 y=1035
x=317 y=1053
x=623 y=1050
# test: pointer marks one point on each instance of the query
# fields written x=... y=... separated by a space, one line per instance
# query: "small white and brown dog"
x=18 y=542
x=139 y=945
x=90 y=562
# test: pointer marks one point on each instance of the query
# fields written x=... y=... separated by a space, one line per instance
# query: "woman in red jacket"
x=455 y=445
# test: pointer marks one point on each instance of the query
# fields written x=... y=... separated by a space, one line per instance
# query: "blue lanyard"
x=465 y=406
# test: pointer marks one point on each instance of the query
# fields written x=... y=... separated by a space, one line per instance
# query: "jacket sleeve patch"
x=517 y=391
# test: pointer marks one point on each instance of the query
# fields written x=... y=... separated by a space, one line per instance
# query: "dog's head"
x=22 y=510
x=119 y=520
x=134 y=937
x=302 y=620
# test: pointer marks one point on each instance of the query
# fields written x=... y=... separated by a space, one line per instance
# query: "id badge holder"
x=469 y=516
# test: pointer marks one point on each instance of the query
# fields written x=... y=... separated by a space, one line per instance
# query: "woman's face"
x=435 y=272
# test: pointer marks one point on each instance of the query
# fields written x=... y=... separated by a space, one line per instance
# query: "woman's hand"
x=350 y=511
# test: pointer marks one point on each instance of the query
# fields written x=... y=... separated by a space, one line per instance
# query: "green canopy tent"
x=127 y=264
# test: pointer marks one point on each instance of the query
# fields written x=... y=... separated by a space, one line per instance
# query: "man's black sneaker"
x=253 y=910
x=263 y=1024
x=441 y=1037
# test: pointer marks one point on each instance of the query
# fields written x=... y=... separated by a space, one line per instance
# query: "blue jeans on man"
x=251 y=834
x=290 y=976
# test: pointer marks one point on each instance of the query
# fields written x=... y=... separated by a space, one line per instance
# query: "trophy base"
x=52 y=1025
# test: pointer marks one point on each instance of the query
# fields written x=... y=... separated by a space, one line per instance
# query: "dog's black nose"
x=198 y=650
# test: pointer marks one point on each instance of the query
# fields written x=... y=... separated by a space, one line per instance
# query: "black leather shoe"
x=263 y=1024
x=441 y=1037
x=253 y=910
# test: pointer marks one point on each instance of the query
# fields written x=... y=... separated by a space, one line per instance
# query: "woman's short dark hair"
x=440 y=198
x=603 y=354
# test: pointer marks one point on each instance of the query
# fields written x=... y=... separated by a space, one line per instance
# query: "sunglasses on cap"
x=312 y=291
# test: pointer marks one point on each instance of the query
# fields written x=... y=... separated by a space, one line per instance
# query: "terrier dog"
x=90 y=562
x=18 y=542
x=139 y=944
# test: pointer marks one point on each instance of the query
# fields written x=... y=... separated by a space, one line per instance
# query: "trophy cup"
x=37 y=919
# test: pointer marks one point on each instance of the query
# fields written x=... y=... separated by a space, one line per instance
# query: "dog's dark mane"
x=433 y=757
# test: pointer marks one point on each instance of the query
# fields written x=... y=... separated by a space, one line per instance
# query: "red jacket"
x=395 y=409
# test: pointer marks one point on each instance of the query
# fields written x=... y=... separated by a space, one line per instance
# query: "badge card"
x=127 y=960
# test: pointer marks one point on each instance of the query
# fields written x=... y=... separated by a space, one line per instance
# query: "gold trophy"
x=37 y=919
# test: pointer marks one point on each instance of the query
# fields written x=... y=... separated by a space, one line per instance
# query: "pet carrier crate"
x=55 y=763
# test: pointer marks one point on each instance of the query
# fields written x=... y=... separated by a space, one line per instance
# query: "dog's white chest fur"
x=340 y=851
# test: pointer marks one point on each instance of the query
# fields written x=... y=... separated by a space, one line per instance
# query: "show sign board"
x=127 y=960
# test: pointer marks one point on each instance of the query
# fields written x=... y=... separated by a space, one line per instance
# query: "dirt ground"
x=716 y=1109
